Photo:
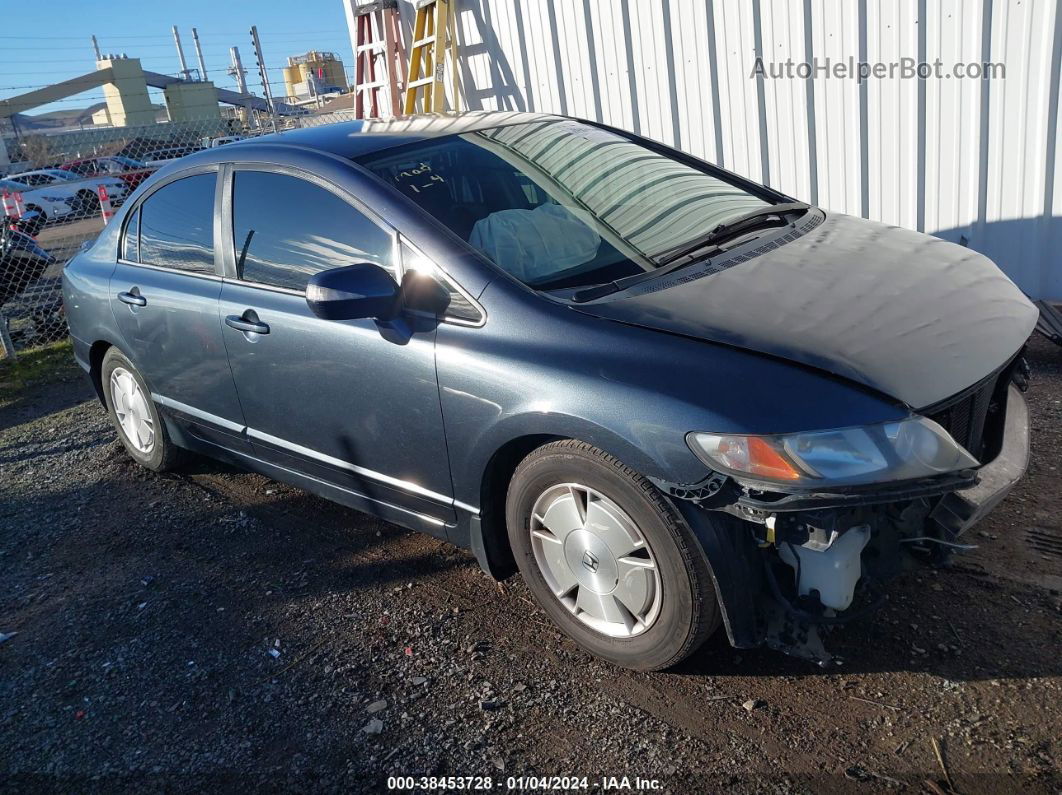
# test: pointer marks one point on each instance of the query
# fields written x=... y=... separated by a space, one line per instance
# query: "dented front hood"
x=907 y=314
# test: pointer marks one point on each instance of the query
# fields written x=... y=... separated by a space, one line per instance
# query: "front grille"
x=974 y=417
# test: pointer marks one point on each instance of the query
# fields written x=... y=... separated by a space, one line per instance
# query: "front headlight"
x=912 y=448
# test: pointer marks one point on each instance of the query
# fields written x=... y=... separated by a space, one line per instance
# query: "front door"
x=354 y=403
x=164 y=296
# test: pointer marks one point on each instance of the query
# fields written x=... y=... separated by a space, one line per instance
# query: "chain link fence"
x=63 y=188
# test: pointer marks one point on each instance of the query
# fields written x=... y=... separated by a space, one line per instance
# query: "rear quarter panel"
x=86 y=282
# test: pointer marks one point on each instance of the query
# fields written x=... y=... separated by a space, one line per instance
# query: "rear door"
x=164 y=295
x=354 y=403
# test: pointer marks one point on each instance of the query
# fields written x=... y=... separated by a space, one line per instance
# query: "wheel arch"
x=488 y=537
x=97 y=351
x=492 y=544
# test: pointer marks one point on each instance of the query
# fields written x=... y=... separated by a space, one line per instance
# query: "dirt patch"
x=215 y=628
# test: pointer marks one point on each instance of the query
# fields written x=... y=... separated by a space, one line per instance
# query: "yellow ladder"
x=434 y=32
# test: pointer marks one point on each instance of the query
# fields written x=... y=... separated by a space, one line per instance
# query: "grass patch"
x=36 y=366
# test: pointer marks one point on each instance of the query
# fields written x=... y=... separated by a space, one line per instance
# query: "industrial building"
x=314 y=74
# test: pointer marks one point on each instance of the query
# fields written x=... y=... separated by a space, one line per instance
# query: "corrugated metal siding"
x=970 y=160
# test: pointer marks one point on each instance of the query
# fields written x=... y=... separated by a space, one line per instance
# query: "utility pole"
x=264 y=73
x=96 y=48
x=237 y=71
x=199 y=55
x=185 y=74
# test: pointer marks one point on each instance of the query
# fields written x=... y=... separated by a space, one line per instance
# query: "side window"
x=459 y=308
x=131 y=241
x=177 y=225
x=286 y=229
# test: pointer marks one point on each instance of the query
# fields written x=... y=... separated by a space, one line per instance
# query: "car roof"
x=351 y=139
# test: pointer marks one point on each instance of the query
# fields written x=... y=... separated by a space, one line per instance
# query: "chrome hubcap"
x=595 y=560
x=131 y=408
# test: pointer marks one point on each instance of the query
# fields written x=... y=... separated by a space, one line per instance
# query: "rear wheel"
x=608 y=558
x=134 y=415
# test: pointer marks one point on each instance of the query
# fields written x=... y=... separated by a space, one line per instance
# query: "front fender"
x=471 y=469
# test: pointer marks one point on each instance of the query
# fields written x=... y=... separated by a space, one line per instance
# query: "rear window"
x=177 y=225
x=559 y=203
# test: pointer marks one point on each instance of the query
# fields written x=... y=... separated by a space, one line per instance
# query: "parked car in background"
x=157 y=157
x=130 y=171
x=673 y=398
x=50 y=203
x=22 y=262
x=221 y=140
x=84 y=189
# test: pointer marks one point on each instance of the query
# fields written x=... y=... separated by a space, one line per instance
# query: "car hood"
x=907 y=314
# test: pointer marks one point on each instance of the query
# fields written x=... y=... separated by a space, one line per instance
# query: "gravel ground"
x=217 y=629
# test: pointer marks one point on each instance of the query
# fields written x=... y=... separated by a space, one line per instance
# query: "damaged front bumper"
x=784 y=574
x=958 y=511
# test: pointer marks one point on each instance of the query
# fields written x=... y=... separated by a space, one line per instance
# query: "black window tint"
x=177 y=225
x=132 y=238
x=286 y=229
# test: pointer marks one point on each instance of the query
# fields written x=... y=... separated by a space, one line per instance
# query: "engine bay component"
x=828 y=565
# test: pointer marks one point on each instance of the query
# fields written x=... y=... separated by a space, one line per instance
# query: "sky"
x=44 y=43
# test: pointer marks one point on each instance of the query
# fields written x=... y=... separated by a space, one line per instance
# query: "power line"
x=216 y=65
x=212 y=48
x=166 y=36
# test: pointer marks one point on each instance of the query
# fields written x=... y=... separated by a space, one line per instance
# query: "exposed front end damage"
x=790 y=566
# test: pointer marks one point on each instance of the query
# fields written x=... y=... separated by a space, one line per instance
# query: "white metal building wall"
x=973 y=161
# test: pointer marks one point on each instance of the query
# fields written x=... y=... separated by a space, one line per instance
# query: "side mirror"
x=351 y=292
x=422 y=293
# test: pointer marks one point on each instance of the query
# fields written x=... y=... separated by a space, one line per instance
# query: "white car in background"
x=60 y=183
x=48 y=203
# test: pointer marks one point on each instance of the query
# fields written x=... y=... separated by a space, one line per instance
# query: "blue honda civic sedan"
x=671 y=398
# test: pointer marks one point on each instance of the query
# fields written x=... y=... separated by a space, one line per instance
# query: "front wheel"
x=134 y=415
x=33 y=227
x=89 y=202
x=608 y=557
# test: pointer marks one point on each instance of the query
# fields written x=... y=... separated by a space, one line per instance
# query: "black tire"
x=89 y=202
x=163 y=455
x=688 y=609
x=33 y=228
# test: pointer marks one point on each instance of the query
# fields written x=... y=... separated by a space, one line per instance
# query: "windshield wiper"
x=681 y=257
x=742 y=223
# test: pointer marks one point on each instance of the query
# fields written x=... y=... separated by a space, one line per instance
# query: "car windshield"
x=559 y=203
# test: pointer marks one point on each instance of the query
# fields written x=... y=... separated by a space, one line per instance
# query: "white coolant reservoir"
x=828 y=565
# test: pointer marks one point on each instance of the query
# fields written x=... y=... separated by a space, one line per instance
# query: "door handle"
x=133 y=299
x=240 y=324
